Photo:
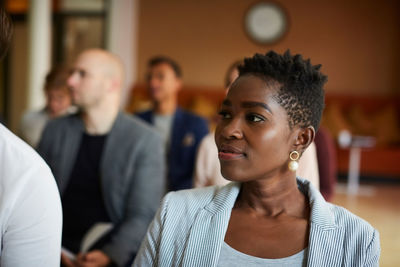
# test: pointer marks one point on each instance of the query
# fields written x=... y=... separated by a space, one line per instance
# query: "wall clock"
x=265 y=22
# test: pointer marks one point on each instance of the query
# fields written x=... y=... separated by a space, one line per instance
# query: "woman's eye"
x=254 y=118
x=224 y=114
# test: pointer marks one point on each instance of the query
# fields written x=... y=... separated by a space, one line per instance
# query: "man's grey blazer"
x=189 y=230
x=132 y=174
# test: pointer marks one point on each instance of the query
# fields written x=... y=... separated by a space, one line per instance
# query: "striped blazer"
x=189 y=230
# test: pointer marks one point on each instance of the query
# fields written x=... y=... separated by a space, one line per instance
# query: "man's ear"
x=179 y=84
x=304 y=137
x=116 y=84
x=113 y=84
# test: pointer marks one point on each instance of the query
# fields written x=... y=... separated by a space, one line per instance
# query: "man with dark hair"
x=182 y=131
x=30 y=209
x=109 y=166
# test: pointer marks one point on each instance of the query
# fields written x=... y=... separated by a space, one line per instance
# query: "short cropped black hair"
x=163 y=59
x=6 y=31
x=301 y=91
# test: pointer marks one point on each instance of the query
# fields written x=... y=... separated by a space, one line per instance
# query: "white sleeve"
x=30 y=209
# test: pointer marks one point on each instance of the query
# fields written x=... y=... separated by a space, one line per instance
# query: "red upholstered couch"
x=362 y=115
x=377 y=116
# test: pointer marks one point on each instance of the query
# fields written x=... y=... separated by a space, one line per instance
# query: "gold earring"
x=293 y=164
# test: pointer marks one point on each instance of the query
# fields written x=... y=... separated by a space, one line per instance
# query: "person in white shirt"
x=30 y=208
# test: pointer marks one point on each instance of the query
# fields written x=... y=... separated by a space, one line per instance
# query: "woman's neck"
x=273 y=197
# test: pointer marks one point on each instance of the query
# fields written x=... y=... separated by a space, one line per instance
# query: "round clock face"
x=265 y=22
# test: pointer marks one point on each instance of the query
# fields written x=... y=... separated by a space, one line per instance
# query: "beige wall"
x=356 y=41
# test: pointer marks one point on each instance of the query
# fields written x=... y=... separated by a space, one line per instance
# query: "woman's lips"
x=227 y=152
x=229 y=156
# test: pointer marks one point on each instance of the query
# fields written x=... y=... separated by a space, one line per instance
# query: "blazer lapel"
x=176 y=130
x=108 y=165
x=325 y=235
x=208 y=231
x=70 y=150
x=323 y=244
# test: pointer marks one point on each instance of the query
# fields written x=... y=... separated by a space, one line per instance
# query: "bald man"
x=109 y=167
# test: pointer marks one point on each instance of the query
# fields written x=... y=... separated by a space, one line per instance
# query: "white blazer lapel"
x=205 y=240
x=325 y=235
x=323 y=246
x=208 y=232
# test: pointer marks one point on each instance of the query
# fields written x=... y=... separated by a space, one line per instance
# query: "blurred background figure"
x=208 y=169
x=109 y=166
x=182 y=131
x=58 y=102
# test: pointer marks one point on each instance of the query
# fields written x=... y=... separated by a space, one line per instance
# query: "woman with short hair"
x=267 y=216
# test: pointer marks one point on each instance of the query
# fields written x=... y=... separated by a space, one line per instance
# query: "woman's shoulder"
x=330 y=216
x=350 y=221
x=360 y=240
x=340 y=230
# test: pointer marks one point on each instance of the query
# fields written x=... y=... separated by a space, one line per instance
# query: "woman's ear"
x=304 y=137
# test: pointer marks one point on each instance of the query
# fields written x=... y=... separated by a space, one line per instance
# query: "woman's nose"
x=232 y=129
